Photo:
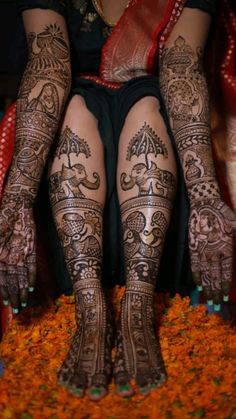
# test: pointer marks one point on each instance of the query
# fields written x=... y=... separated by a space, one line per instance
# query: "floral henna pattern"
x=44 y=88
x=211 y=227
x=145 y=219
x=88 y=363
x=17 y=246
x=184 y=89
x=138 y=353
x=79 y=225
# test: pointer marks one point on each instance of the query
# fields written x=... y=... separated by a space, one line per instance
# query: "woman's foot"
x=138 y=354
x=88 y=363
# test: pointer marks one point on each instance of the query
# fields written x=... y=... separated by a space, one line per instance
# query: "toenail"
x=143 y=390
x=96 y=391
x=78 y=391
x=124 y=387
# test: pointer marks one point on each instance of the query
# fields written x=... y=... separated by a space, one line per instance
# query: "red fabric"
x=7 y=137
x=228 y=80
x=130 y=49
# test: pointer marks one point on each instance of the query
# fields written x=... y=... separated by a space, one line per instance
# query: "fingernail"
x=226 y=298
x=23 y=304
x=31 y=289
x=210 y=302
x=217 y=307
x=199 y=288
x=15 y=311
x=5 y=302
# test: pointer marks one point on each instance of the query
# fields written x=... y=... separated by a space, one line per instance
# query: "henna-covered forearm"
x=43 y=91
x=184 y=89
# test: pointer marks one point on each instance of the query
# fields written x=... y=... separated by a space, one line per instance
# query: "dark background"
x=12 y=51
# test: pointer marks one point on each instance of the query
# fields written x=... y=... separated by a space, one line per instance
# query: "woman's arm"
x=185 y=93
x=43 y=91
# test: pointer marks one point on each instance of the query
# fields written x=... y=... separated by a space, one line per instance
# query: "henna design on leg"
x=145 y=216
x=79 y=225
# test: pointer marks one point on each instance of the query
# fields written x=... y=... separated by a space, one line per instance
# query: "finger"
x=31 y=265
x=233 y=224
x=3 y=288
x=215 y=272
x=197 y=280
x=5 y=296
x=24 y=297
x=227 y=274
x=207 y=289
x=23 y=285
x=13 y=287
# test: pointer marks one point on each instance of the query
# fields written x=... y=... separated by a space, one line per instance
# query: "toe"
x=96 y=393
x=158 y=380
x=124 y=390
x=76 y=391
x=144 y=391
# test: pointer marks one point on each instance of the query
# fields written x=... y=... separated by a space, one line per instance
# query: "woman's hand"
x=17 y=251
x=212 y=225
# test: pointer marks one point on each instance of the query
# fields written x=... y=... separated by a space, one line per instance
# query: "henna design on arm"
x=42 y=95
x=43 y=91
x=184 y=90
x=211 y=222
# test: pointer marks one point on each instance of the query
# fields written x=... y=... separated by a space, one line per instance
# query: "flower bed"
x=199 y=351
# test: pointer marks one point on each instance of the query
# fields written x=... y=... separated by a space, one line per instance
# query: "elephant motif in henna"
x=150 y=181
x=67 y=182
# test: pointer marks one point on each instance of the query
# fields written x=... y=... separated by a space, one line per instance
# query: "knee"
x=148 y=105
x=77 y=108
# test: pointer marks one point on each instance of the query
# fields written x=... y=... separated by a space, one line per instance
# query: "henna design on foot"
x=138 y=350
x=88 y=363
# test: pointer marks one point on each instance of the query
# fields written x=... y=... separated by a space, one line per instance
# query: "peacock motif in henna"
x=145 y=217
x=79 y=225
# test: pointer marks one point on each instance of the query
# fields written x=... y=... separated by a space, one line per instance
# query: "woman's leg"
x=146 y=182
x=77 y=193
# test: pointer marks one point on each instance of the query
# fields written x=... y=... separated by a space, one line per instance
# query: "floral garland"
x=199 y=351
